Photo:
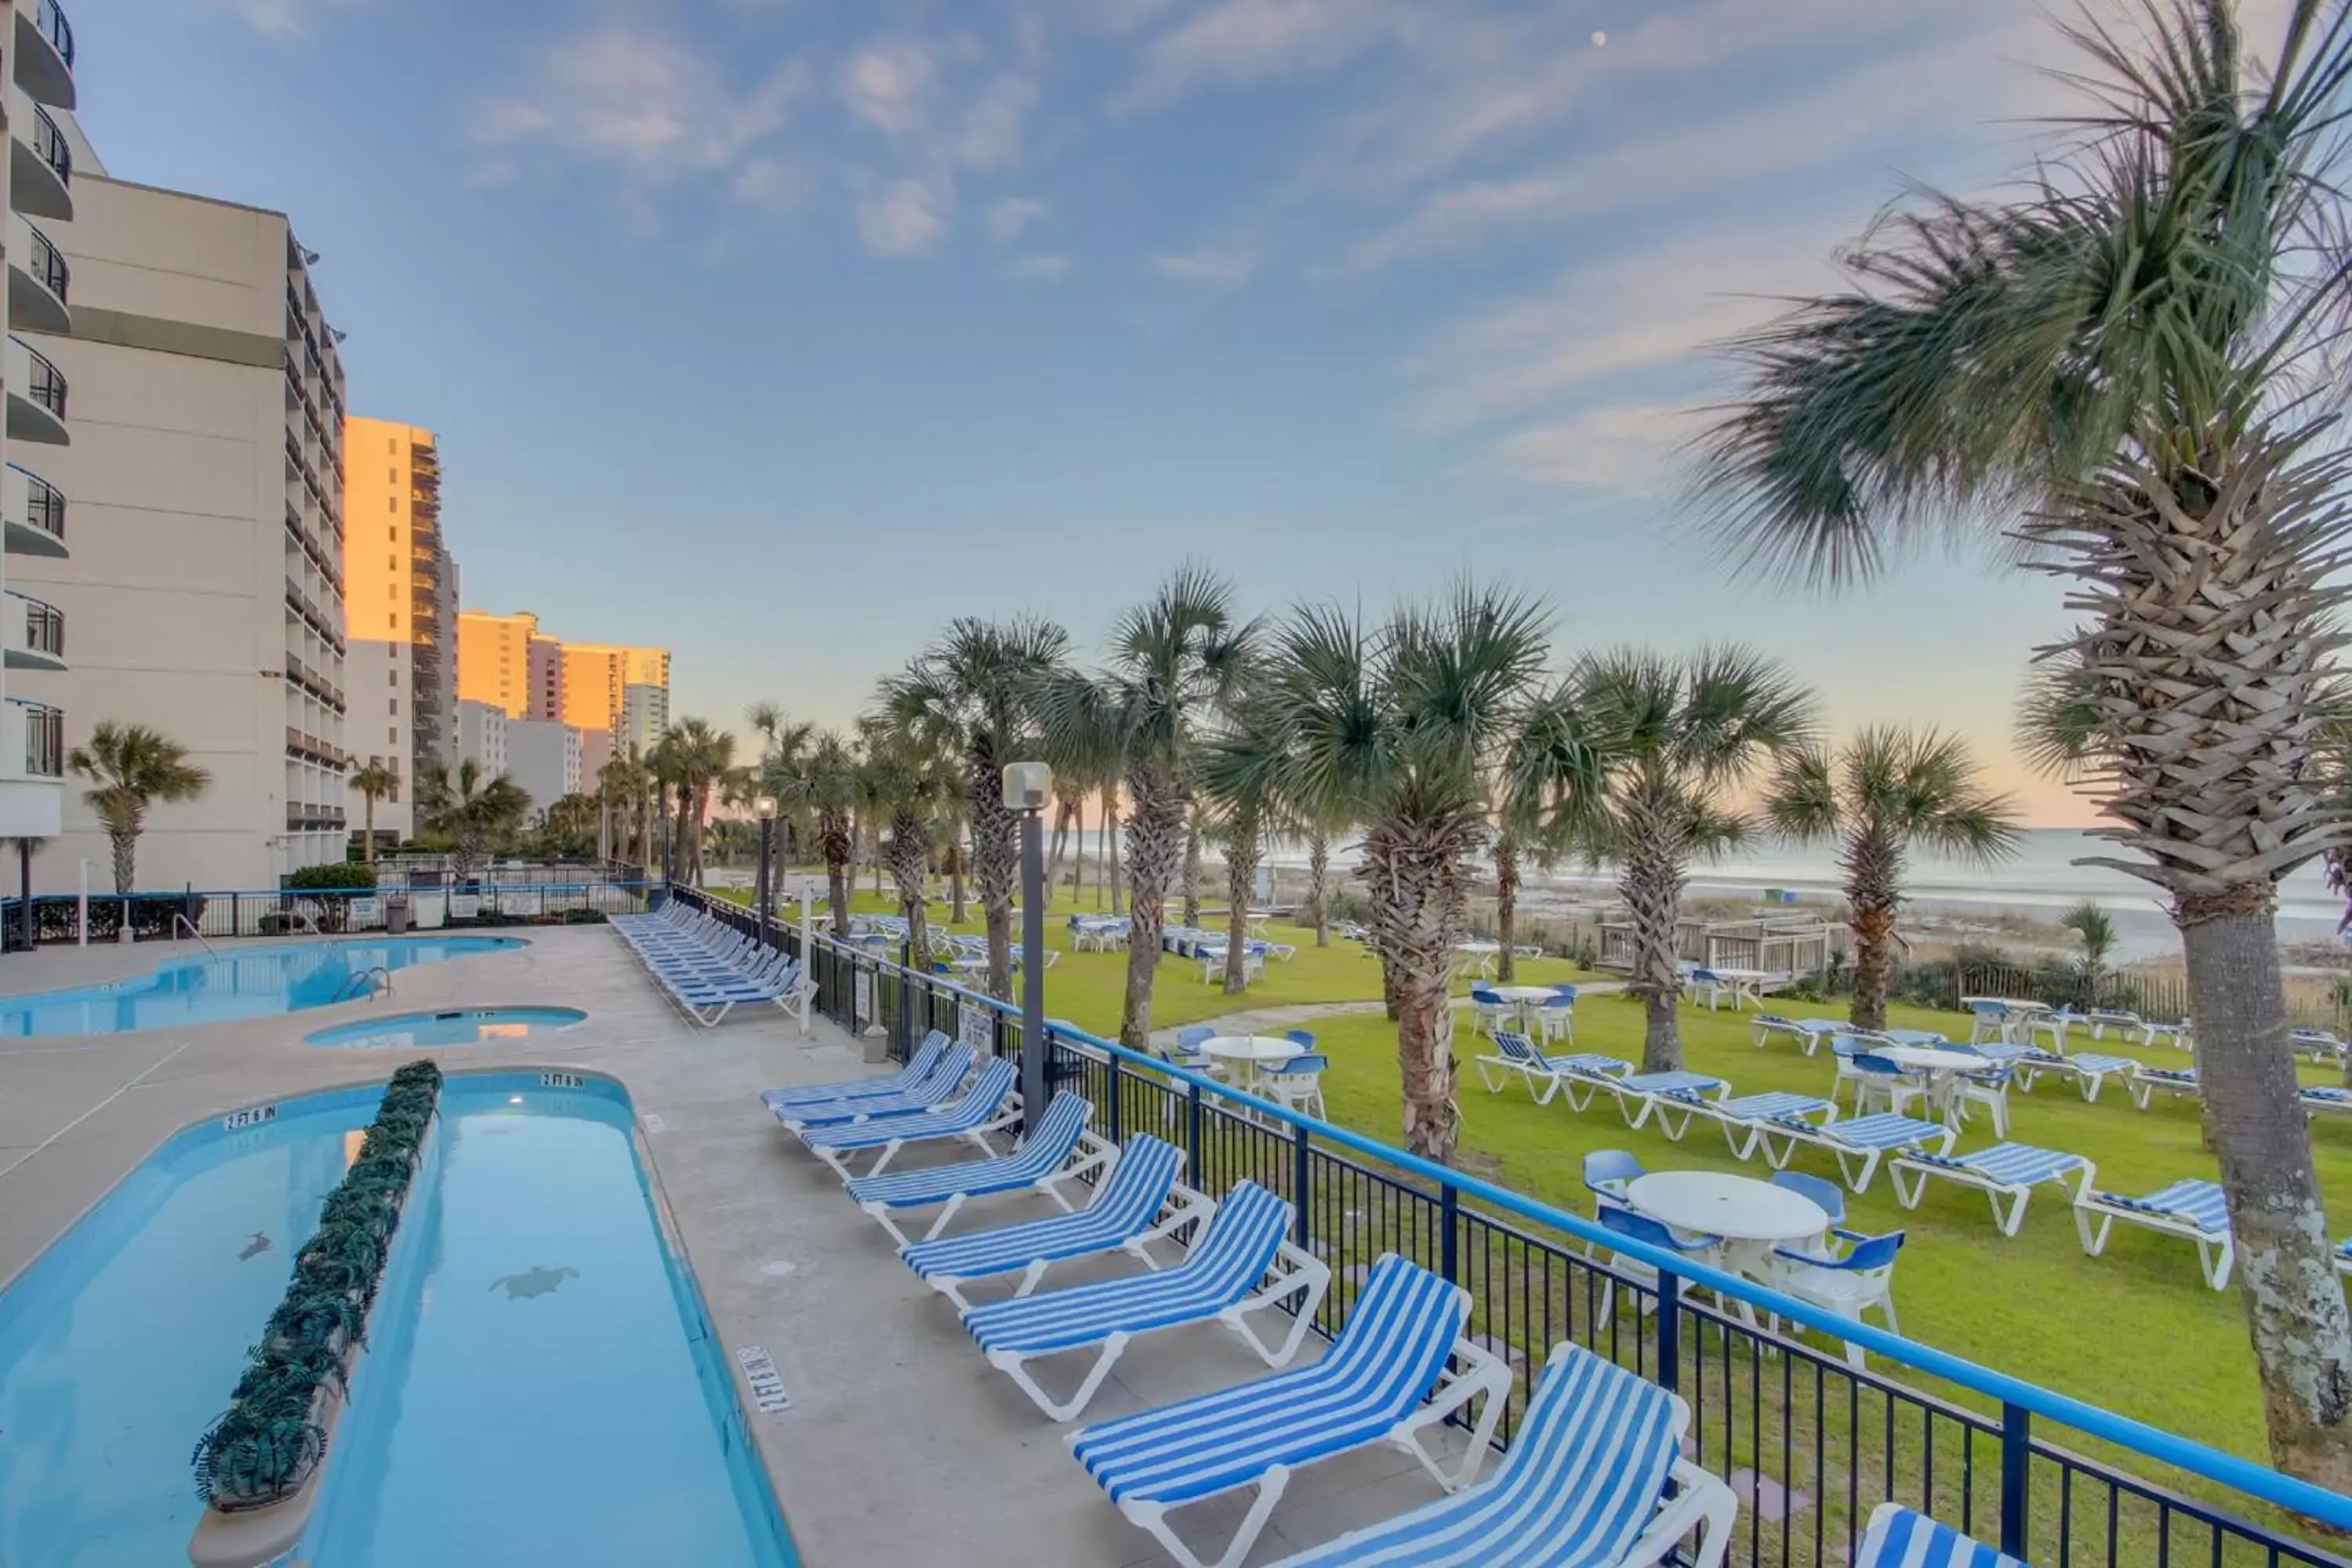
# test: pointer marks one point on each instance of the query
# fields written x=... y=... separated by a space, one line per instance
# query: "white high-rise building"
x=482 y=737
x=544 y=756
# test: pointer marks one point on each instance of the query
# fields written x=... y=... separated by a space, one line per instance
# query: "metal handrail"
x=364 y=984
x=178 y=921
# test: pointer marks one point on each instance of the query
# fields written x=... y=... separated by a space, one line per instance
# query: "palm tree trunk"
x=1874 y=959
x=1318 y=885
x=1078 y=877
x=1418 y=902
x=911 y=868
x=1192 y=871
x=2294 y=1298
x=1155 y=849
x=367 y=825
x=1110 y=845
x=125 y=843
x=996 y=860
x=1241 y=870
x=1652 y=887
x=1506 y=908
x=955 y=880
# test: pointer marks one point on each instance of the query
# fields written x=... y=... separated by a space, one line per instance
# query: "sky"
x=781 y=331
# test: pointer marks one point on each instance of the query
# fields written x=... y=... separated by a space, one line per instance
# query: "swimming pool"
x=541 y=1384
x=245 y=983
x=458 y=1026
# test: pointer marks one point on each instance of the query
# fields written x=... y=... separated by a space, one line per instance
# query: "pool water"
x=247 y=982
x=460 y=1026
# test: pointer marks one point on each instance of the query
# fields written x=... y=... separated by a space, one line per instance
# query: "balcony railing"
x=50 y=143
x=299 y=603
x=44 y=504
x=314 y=819
x=44 y=384
x=54 y=26
x=48 y=263
x=45 y=739
x=312 y=551
x=45 y=625
x=314 y=681
x=303 y=746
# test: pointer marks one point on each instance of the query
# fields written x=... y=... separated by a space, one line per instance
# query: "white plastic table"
x=1751 y=1216
x=1249 y=1053
x=1747 y=986
x=1940 y=1068
x=1482 y=955
x=1524 y=999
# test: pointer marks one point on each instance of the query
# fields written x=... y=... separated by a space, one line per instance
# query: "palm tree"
x=2129 y=366
x=1080 y=731
x=1679 y=736
x=131 y=768
x=970 y=695
x=374 y=782
x=1885 y=790
x=1172 y=663
x=909 y=780
x=471 y=809
x=1245 y=777
x=623 y=784
x=818 y=780
x=1409 y=729
x=2096 y=930
x=700 y=756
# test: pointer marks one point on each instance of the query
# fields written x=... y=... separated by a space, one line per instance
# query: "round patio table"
x=1940 y=1068
x=1524 y=1000
x=1248 y=1053
x=1751 y=1216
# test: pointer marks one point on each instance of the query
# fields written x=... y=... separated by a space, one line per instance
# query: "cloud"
x=641 y=100
x=990 y=135
x=1035 y=269
x=768 y=185
x=889 y=86
x=906 y=219
x=1225 y=266
x=284 y=18
x=1009 y=217
x=1240 y=41
x=1614 y=446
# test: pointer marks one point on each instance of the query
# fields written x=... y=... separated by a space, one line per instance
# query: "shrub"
x=347 y=875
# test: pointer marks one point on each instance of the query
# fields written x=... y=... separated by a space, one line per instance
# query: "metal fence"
x=1810 y=1441
x=162 y=917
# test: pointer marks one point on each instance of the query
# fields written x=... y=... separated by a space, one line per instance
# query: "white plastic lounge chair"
x=2122 y=1020
x=1585 y=1073
x=1385 y=1379
x=1059 y=1152
x=1747 y=1117
x=1859 y=1279
x=1141 y=1202
x=2089 y=1070
x=2181 y=1034
x=1859 y=1144
x=1594 y=1478
x=2325 y=1044
x=987 y=1106
x=2005 y=1172
x=1240 y=1264
x=2180 y=1082
x=1664 y=1095
x=2193 y=1208
x=918 y=1068
x=1899 y=1538
x=1808 y=1033
x=2319 y=1098
x=1517 y=1056
x=947 y=1074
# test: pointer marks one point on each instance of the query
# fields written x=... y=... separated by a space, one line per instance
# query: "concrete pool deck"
x=902 y=1445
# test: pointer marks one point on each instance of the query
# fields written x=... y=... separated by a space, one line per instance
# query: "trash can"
x=396 y=916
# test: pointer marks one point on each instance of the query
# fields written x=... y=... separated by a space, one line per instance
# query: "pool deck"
x=900 y=1446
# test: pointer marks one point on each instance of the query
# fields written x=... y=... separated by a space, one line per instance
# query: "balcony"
x=34 y=511
x=32 y=633
x=44 y=53
x=37 y=277
x=299 y=604
x=314 y=819
x=37 y=396
x=303 y=746
x=40 y=170
x=33 y=738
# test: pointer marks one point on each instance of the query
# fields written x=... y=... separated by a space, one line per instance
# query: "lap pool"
x=243 y=982
x=541 y=1383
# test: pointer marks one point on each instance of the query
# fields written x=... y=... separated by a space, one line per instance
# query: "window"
x=392 y=444
x=394 y=619
x=391 y=503
x=392 y=736
x=392 y=678
x=392 y=475
x=392 y=534
x=394 y=708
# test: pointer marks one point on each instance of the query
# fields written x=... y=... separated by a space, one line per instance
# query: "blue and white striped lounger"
x=1584 y=1485
x=1515 y=1054
x=918 y=1067
x=2325 y=1098
x=2194 y=1208
x=946 y=1075
x=1858 y=1144
x=2325 y=1044
x=2343 y=1256
x=2006 y=1171
x=984 y=1109
x=2089 y=1070
x=1385 y=1379
x=1899 y=1538
x=1665 y=1095
x=1747 y=1117
x=1586 y=1073
x=2180 y=1083
x=1242 y=1263
x=1808 y=1033
x=1043 y=1164
x=1137 y=1204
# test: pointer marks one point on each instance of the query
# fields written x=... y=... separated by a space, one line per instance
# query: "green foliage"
x=268 y=1439
x=347 y=875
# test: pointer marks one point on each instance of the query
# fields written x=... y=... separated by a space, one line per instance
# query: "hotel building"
x=400 y=597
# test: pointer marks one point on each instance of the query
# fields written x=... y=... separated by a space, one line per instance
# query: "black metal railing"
x=45 y=625
x=48 y=263
x=53 y=25
x=44 y=504
x=44 y=382
x=45 y=739
x=273 y=912
x=50 y=142
x=1812 y=1441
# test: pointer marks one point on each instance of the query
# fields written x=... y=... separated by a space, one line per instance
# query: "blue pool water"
x=247 y=983
x=458 y=1026
x=540 y=1386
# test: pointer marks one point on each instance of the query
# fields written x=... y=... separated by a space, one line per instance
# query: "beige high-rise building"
x=399 y=592
x=493 y=660
x=597 y=676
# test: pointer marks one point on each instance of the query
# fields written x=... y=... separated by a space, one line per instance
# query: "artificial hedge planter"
x=269 y=1441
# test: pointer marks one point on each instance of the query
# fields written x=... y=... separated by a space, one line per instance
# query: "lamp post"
x=1027 y=787
x=766 y=806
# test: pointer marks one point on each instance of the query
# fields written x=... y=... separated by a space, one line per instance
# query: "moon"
x=1599 y=39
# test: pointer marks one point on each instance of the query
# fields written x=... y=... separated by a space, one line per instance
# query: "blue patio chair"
x=1296 y=1084
x=1607 y=1173
x=1300 y=1037
x=1634 y=1225
x=1826 y=1194
x=1860 y=1280
x=1485 y=1007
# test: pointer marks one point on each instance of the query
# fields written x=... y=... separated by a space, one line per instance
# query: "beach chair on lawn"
x=1858 y=1144
x=2178 y=1082
x=948 y=1072
x=2343 y=1256
x=1060 y=1150
x=1241 y=1264
x=918 y=1068
x=2180 y=1034
x=1517 y=1056
x=2006 y=1173
x=1585 y=1073
x=1747 y=1117
x=2317 y=1101
x=986 y=1107
x=2194 y=1208
x=2089 y=1070
x=2122 y=1020
x=1398 y=1368
x=1899 y=1538
x=1808 y=1033
x=2325 y=1044
x=1141 y=1202
x=1666 y=1095
x=1594 y=1478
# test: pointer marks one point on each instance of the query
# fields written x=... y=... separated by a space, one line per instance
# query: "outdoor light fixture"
x=765 y=805
x=1027 y=786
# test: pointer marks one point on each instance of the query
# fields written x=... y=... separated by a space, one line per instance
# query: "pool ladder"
x=364 y=984
x=180 y=921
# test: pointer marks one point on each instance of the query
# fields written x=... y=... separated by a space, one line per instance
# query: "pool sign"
x=768 y=1395
x=975 y=1027
x=863 y=1008
x=251 y=1116
x=464 y=905
x=366 y=911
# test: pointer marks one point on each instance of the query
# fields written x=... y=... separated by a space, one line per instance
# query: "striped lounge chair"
x=1517 y=1056
x=2343 y=1256
x=946 y=1075
x=918 y=1068
x=2180 y=1082
x=1594 y=1478
x=2317 y=1098
x=1586 y=1073
x=1747 y=1117
x=2006 y=1173
x=2193 y=1208
x=1858 y=1144
x=1900 y=1538
x=987 y=1107
x=1138 y=1203
x=2089 y=1070
x=2325 y=1044
x=1808 y=1033
x=1060 y=1150
x=1241 y=1264
x=1387 y=1378
x=1666 y=1095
